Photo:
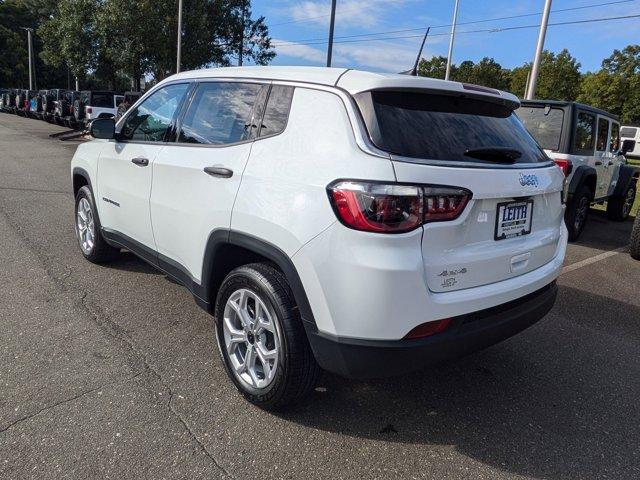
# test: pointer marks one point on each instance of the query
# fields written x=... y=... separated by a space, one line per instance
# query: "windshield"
x=545 y=124
x=430 y=126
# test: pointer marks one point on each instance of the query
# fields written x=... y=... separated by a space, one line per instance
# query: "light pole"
x=535 y=68
x=30 y=46
x=453 y=35
x=331 y=27
x=179 y=49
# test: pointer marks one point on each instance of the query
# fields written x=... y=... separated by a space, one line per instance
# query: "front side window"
x=220 y=113
x=277 y=111
x=584 y=134
x=151 y=120
x=603 y=134
x=614 y=143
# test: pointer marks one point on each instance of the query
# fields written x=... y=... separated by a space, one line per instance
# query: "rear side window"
x=628 y=132
x=277 y=112
x=102 y=100
x=444 y=128
x=584 y=134
x=545 y=124
x=219 y=113
x=150 y=121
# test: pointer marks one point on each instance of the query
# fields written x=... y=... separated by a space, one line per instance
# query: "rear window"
x=545 y=124
x=628 y=132
x=102 y=100
x=443 y=127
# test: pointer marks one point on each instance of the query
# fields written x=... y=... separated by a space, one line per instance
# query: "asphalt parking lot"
x=111 y=371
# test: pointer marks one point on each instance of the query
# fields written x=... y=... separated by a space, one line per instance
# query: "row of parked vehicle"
x=70 y=108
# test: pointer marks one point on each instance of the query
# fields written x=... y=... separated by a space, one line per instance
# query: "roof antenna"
x=414 y=71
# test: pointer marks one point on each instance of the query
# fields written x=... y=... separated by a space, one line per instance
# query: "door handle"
x=610 y=163
x=598 y=162
x=219 y=172
x=140 y=161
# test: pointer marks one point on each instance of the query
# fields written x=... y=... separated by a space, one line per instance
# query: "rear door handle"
x=219 y=172
x=598 y=162
x=610 y=162
x=140 y=161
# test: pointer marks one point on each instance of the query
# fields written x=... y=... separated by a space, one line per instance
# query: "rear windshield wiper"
x=494 y=154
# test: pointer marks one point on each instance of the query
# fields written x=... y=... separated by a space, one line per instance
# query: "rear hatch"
x=513 y=222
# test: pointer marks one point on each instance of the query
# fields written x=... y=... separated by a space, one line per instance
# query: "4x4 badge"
x=529 y=180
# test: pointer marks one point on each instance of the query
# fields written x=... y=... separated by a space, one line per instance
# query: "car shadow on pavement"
x=128 y=262
x=604 y=234
x=557 y=401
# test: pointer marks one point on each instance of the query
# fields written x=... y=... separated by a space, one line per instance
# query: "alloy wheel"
x=251 y=338
x=581 y=213
x=85 y=226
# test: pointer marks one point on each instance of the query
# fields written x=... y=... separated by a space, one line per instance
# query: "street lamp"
x=535 y=68
x=453 y=35
x=30 y=46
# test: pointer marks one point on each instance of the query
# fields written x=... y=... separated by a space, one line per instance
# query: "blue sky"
x=298 y=28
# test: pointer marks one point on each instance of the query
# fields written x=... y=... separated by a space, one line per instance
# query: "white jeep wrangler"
x=585 y=143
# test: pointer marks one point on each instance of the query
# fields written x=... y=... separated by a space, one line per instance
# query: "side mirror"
x=627 y=146
x=103 y=128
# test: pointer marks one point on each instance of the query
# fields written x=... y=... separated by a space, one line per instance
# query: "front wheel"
x=88 y=232
x=261 y=338
x=619 y=208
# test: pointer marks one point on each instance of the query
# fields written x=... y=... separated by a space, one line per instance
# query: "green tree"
x=70 y=37
x=435 y=67
x=558 y=78
x=616 y=86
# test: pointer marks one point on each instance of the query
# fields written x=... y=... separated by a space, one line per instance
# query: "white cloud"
x=299 y=50
x=386 y=56
x=361 y=13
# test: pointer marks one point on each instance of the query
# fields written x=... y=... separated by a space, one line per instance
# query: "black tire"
x=297 y=372
x=100 y=251
x=634 y=243
x=578 y=212
x=619 y=208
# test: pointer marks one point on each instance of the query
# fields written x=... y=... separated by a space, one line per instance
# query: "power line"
x=488 y=30
x=510 y=17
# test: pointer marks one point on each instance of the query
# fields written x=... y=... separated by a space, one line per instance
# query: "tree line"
x=614 y=88
x=109 y=43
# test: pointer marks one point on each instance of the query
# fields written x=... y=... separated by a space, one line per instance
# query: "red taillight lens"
x=428 y=329
x=565 y=165
x=89 y=110
x=394 y=208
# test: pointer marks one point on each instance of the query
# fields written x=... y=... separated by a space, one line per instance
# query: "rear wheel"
x=88 y=232
x=577 y=212
x=619 y=208
x=634 y=244
x=261 y=338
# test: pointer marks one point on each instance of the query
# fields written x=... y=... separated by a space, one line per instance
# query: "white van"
x=631 y=132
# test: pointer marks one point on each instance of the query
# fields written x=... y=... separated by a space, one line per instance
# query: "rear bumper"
x=356 y=358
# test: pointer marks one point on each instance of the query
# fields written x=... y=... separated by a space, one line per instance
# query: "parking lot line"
x=594 y=259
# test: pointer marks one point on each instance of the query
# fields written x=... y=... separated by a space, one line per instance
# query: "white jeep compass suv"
x=361 y=223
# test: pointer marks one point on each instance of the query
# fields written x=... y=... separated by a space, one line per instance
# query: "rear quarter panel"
x=282 y=198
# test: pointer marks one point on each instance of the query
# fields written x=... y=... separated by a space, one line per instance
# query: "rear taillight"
x=428 y=329
x=394 y=208
x=565 y=165
x=89 y=110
